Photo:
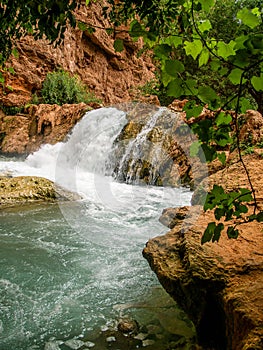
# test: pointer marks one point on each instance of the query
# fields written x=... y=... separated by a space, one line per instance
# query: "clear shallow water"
x=64 y=268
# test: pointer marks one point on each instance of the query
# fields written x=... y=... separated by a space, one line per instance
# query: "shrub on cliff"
x=60 y=87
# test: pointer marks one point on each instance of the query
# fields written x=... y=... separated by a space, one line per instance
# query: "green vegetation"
x=60 y=87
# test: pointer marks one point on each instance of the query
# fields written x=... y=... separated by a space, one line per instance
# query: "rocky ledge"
x=26 y=189
x=44 y=123
x=219 y=284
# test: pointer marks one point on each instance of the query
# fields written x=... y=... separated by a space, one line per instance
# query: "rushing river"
x=67 y=269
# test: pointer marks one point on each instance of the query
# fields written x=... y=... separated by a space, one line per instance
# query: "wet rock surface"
x=218 y=284
x=154 y=148
x=26 y=189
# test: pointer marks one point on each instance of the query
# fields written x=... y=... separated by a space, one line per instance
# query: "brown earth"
x=219 y=284
x=110 y=75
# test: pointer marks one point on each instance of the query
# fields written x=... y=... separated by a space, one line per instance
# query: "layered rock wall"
x=219 y=284
x=25 y=133
x=110 y=75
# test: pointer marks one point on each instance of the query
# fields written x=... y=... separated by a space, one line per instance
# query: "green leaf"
x=173 y=67
x=232 y=233
x=215 y=65
x=2 y=78
x=217 y=232
x=136 y=29
x=212 y=232
x=118 y=45
x=166 y=78
x=207 y=4
x=194 y=148
x=257 y=82
x=11 y=70
x=175 y=41
x=162 y=51
x=240 y=40
x=223 y=119
x=193 y=48
x=206 y=94
x=246 y=195
x=225 y=50
x=175 y=88
x=248 y=18
x=204 y=57
x=109 y=31
x=219 y=213
x=204 y=26
x=15 y=53
x=209 y=152
x=245 y=104
x=222 y=157
x=90 y=30
x=192 y=110
x=190 y=87
x=209 y=232
x=82 y=26
x=235 y=76
x=260 y=217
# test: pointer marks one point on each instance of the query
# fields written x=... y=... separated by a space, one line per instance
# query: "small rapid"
x=65 y=268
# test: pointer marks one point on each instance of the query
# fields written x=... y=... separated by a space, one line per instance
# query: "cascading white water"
x=65 y=268
x=134 y=151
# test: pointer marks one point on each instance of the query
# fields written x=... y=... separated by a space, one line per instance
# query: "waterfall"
x=134 y=152
x=135 y=147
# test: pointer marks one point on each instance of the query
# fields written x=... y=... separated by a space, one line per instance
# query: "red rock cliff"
x=111 y=76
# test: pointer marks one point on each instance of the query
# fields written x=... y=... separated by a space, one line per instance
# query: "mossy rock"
x=24 y=189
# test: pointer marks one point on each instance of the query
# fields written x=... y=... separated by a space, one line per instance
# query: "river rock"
x=54 y=345
x=26 y=189
x=111 y=339
x=127 y=325
x=74 y=344
x=219 y=284
x=147 y=342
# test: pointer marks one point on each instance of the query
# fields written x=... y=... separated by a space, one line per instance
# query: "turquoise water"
x=61 y=282
x=67 y=269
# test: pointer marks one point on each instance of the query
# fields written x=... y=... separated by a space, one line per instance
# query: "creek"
x=71 y=268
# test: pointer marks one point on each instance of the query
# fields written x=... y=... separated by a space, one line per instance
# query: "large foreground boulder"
x=219 y=284
x=27 y=189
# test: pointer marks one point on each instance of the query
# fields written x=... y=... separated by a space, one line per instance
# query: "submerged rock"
x=54 y=345
x=26 y=189
x=127 y=325
x=74 y=344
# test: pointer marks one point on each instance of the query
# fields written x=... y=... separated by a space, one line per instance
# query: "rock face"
x=110 y=75
x=219 y=284
x=26 y=189
x=24 y=133
x=154 y=148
